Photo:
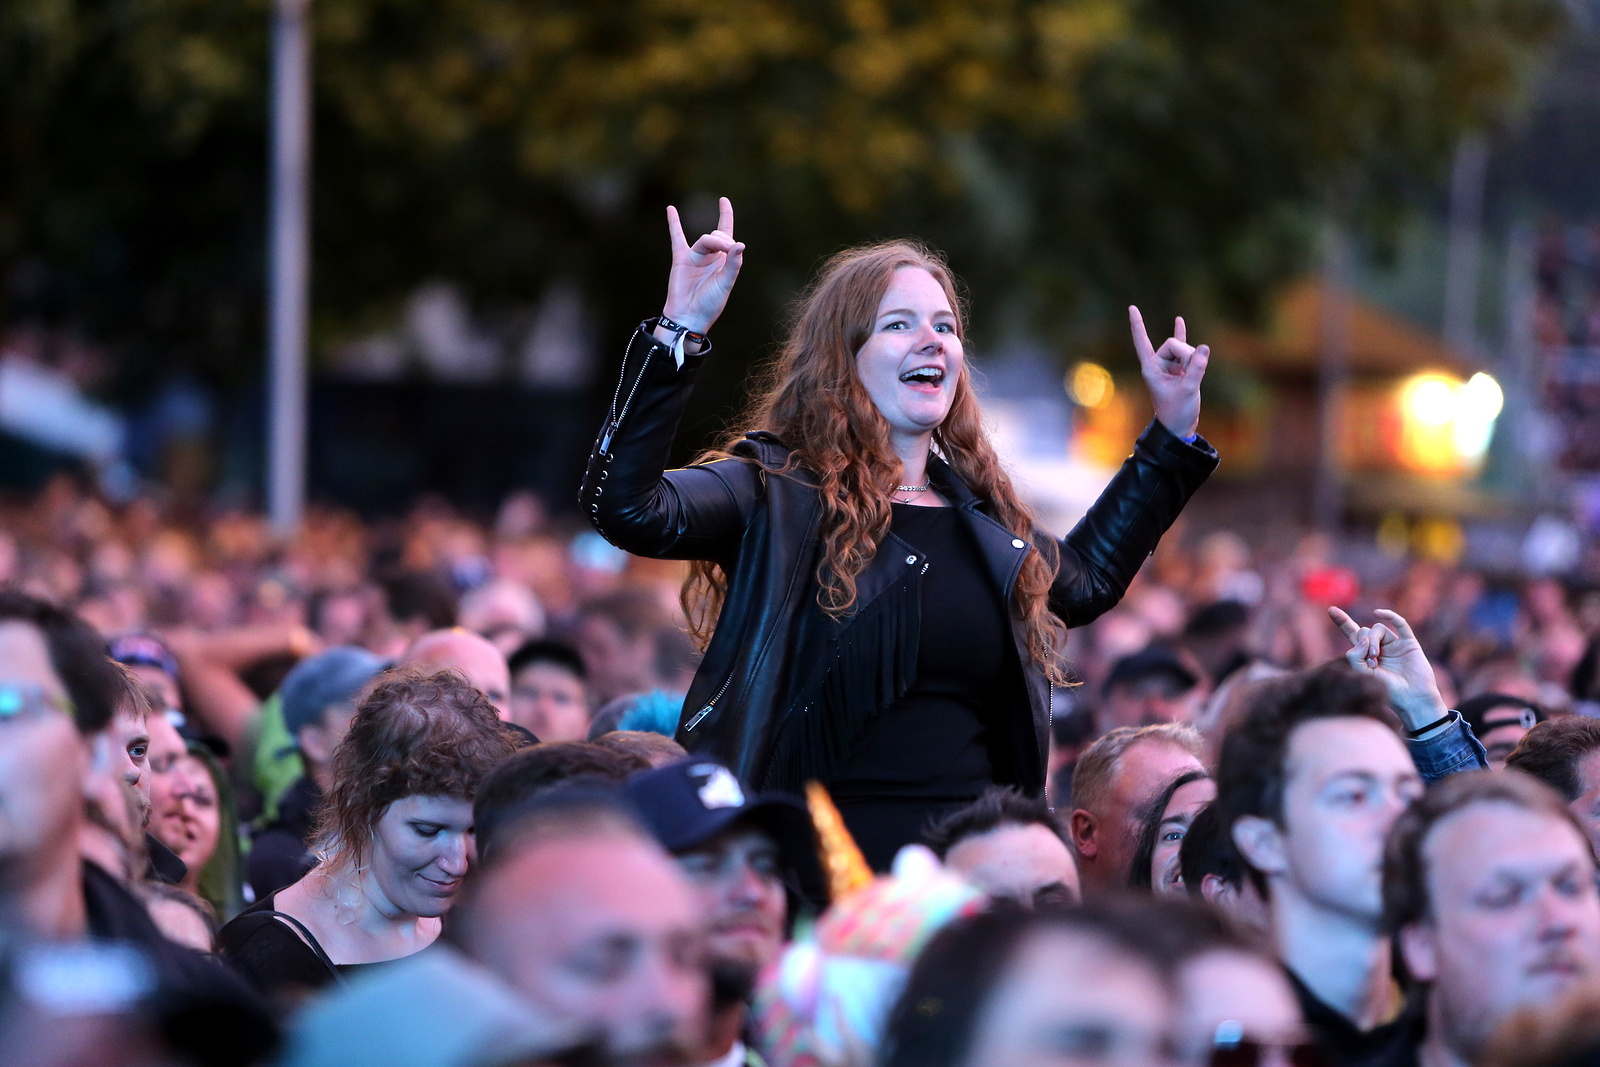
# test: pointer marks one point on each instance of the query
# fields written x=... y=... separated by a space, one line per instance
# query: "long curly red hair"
x=814 y=401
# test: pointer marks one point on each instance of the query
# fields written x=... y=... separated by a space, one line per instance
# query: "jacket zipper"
x=703 y=712
x=614 y=422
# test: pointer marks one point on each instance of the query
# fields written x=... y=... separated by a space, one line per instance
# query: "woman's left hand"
x=1172 y=373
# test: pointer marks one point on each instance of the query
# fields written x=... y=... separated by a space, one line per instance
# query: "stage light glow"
x=1090 y=385
x=1447 y=423
x=1430 y=399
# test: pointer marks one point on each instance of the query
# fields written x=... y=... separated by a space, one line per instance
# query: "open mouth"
x=923 y=376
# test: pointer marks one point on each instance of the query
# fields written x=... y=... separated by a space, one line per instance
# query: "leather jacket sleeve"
x=1105 y=550
x=697 y=512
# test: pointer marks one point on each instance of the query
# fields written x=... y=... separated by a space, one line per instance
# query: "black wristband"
x=1434 y=725
x=677 y=327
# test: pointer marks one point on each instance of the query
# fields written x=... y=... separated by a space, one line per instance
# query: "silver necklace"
x=912 y=488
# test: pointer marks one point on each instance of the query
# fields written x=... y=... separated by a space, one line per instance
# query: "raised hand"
x=1390 y=652
x=1172 y=373
x=702 y=273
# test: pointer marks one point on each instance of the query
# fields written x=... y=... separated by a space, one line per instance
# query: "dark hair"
x=1552 y=750
x=413 y=733
x=936 y=1017
x=1208 y=848
x=1405 y=863
x=574 y=808
x=533 y=770
x=656 y=750
x=93 y=682
x=1217 y=618
x=1149 y=819
x=997 y=806
x=1252 y=768
x=552 y=652
x=416 y=595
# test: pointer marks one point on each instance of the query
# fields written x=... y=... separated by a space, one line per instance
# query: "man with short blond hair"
x=1115 y=776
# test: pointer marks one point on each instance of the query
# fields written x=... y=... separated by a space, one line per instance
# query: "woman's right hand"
x=702 y=273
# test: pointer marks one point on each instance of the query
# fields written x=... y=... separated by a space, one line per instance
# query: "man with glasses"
x=746 y=859
x=58 y=695
x=1489 y=890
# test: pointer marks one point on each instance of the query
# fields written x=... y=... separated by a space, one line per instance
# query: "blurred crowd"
x=406 y=791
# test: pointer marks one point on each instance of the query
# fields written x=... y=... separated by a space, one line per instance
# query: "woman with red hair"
x=878 y=610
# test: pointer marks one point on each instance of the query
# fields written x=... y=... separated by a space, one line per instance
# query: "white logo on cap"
x=720 y=789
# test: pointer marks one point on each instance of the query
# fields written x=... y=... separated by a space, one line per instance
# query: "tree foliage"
x=1070 y=154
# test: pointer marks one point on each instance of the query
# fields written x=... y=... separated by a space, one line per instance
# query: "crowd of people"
x=409 y=793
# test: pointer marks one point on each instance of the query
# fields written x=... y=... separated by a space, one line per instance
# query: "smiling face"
x=1166 y=875
x=421 y=849
x=189 y=820
x=1515 y=917
x=911 y=362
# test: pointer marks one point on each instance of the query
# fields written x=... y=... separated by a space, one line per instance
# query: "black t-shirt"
x=207 y=1015
x=930 y=750
x=1391 y=1044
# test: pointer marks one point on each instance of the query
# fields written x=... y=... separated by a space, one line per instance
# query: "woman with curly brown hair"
x=879 y=610
x=394 y=840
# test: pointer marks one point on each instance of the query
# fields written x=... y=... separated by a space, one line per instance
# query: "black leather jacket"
x=776 y=658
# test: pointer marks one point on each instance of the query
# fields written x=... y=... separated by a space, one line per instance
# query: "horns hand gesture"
x=1172 y=373
x=702 y=273
x=1389 y=651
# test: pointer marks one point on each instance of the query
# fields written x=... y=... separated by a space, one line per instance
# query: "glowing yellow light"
x=1394 y=534
x=1430 y=399
x=1090 y=385
x=1440 y=540
x=1481 y=398
x=1447 y=423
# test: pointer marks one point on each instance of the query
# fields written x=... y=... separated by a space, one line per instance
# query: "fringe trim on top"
x=874 y=664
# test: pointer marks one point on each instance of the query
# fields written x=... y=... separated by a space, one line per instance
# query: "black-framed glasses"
x=1230 y=1047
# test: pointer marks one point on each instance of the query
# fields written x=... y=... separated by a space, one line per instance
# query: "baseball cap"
x=1507 y=710
x=687 y=803
x=326 y=678
x=143 y=650
x=1151 y=662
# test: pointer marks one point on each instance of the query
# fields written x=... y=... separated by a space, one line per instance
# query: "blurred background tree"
x=1070 y=155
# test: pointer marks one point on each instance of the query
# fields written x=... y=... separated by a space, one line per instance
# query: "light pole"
x=288 y=273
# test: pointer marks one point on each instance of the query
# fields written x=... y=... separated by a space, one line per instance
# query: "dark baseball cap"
x=327 y=678
x=687 y=803
x=1155 y=661
x=1504 y=709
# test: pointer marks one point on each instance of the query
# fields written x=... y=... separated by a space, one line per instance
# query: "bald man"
x=482 y=664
